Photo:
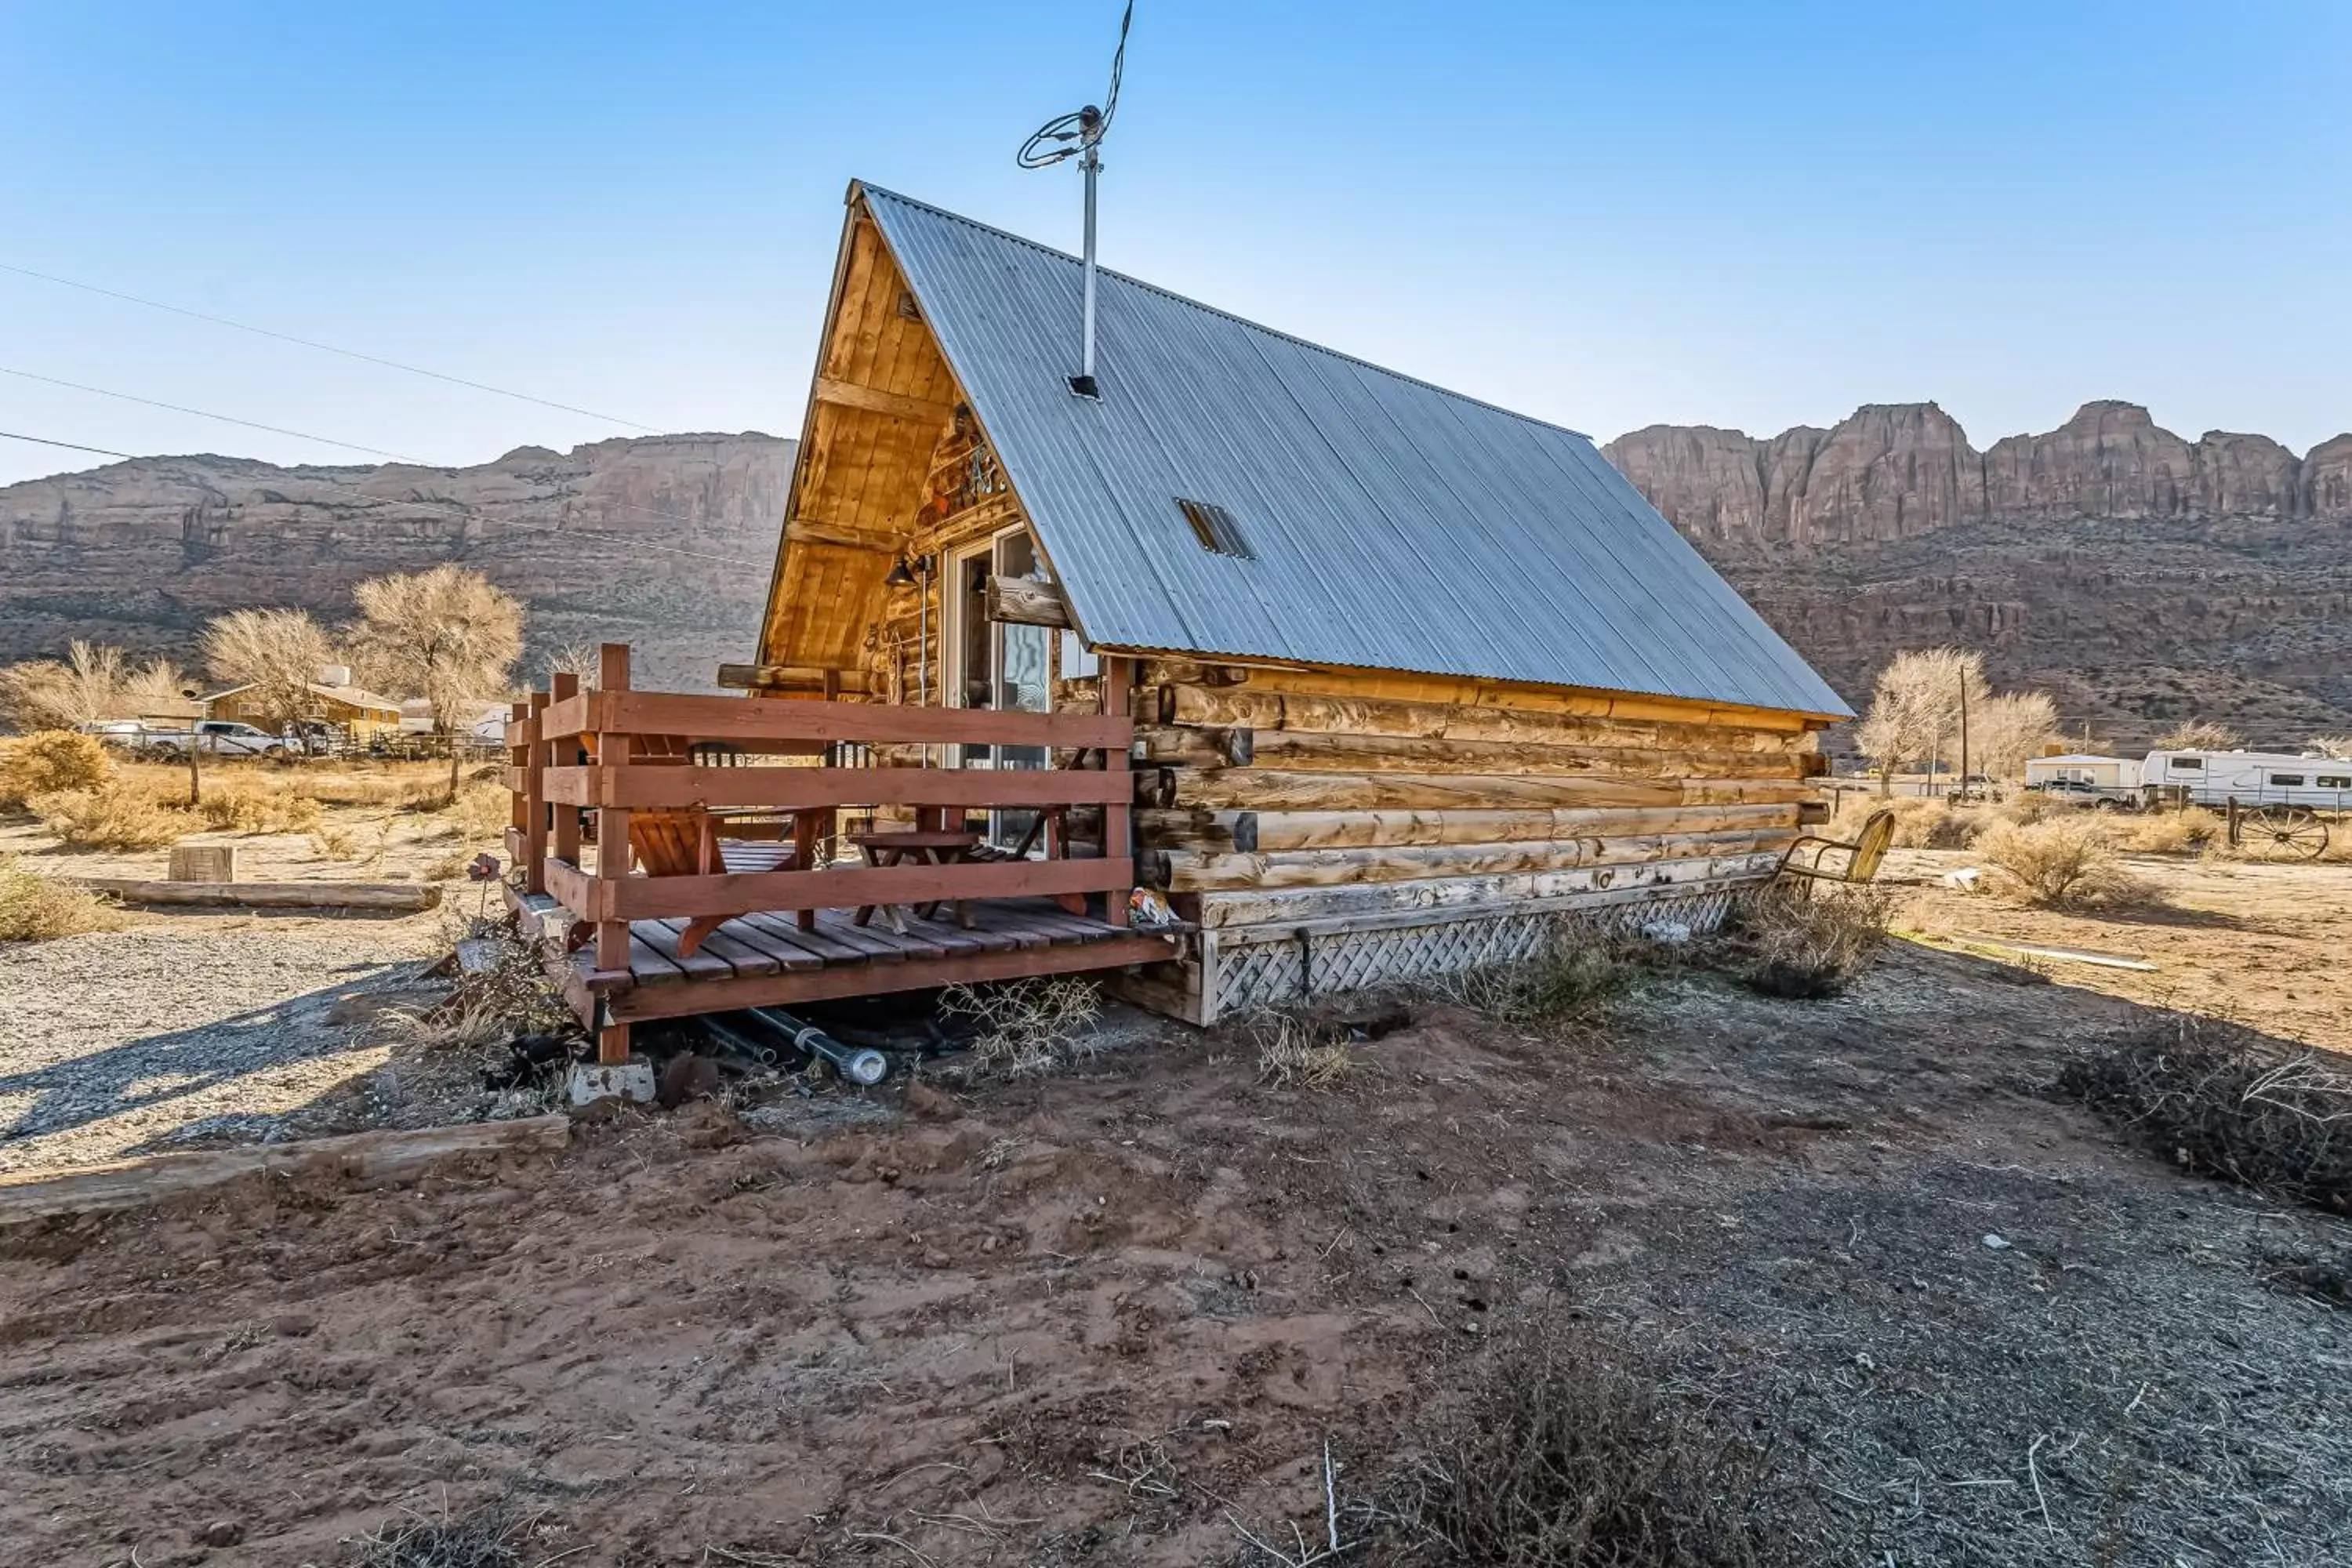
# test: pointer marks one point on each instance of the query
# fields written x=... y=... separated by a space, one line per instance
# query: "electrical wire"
x=332 y=349
x=224 y=418
x=68 y=446
x=376 y=451
x=1065 y=135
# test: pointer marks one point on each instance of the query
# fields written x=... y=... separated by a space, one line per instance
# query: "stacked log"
x=1279 y=795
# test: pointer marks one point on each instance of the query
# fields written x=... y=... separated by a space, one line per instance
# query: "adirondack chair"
x=683 y=841
x=1863 y=853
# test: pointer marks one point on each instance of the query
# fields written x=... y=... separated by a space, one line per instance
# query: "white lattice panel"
x=1272 y=973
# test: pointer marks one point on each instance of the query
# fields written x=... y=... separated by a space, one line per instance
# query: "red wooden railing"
x=639 y=747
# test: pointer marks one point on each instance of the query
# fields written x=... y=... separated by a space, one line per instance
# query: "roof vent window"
x=1215 y=528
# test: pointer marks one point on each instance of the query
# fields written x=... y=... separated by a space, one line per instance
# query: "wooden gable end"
x=883 y=401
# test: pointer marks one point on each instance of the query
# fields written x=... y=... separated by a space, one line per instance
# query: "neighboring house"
x=2099 y=773
x=334 y=700
x=1417 y=679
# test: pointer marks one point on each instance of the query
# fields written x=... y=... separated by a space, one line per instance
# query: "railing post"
x=534 y=833
x=1115 y=680
x=519 y=758
x=565 y=840
x=612 y=849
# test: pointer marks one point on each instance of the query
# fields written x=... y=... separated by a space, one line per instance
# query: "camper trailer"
x=2251 y=779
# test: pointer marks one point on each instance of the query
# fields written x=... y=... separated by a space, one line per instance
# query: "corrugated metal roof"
x=1391 y=524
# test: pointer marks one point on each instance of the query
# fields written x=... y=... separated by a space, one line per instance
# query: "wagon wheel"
x=2283 y=833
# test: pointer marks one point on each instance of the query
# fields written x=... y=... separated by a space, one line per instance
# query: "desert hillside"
x=663 y=541
x=2139 y=576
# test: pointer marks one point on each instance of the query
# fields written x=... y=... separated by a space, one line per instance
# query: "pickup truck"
x=217 y=738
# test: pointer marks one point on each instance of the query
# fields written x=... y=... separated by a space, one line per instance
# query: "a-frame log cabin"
x=1371 y=679
x=1413 y=677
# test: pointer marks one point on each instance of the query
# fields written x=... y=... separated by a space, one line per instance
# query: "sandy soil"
x=1113 y=1316
x=2264 y=944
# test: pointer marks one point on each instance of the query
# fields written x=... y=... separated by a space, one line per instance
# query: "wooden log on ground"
x=1267 y=790
x=1251 y=907
x=401 y=897
x=1270 y=709
x=1197 y=873
x=361 y=1157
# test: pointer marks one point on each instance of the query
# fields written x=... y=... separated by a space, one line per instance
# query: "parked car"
x=131 y=734
x=219 y=738
x=2075 y=791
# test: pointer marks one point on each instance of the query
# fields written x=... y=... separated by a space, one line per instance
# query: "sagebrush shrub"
x=47 y=760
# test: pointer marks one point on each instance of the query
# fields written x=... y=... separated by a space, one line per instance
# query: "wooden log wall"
x=1276 y=794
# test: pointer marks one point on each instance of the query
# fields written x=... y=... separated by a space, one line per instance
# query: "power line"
x=396 y=457
x=332 y=349
x=68 y=446
x=224 y=418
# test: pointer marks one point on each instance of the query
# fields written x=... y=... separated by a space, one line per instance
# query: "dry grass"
x=1292 y=1052
x=2062 y=862
x=1562 y=1453
x=488 y=1006
x=2190 y=832
x=491 y=1537
x=114 y=817
x=481 y=812
x=48 y=761
x=240 y=808
x=1812 y=941
x=35 y=909
x=335 y=842
x=2221 y=1100
x=1568 y=983
x=1027 y=1027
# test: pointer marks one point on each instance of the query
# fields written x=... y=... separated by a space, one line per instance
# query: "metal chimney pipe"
x=1090 y=126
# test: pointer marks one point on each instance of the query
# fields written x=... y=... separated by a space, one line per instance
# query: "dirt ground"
x=2260 y=943
x=190 y=1028
x=1114 y=1316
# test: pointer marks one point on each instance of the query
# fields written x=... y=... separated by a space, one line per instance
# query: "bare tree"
x=2008 y=731
x=1915 y=707
x=2336 y=746
x=577 y=659
x=2199 y=735
x=160 y=683
x=449 y=635
x=273 y=655
x=88 y=685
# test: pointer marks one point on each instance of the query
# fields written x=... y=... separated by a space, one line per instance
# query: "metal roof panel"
x=1392 y=524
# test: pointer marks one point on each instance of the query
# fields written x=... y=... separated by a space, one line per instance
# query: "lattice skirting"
x=1251 y=972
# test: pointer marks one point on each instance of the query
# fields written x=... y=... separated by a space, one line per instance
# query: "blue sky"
x=1751 y=215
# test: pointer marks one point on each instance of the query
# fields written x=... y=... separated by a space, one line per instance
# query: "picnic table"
x=932 y=847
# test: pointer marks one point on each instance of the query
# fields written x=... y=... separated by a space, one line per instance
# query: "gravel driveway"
x=128 y=1042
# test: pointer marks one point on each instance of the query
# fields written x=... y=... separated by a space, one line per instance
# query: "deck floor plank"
x=770 y=943
x=821 y=944
x=662 y=937
x=783 y=954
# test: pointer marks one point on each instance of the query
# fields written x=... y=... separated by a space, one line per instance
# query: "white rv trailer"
x=2252 y=779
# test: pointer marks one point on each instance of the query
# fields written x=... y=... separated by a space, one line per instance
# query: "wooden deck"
x=766 y=959
x=638 y=872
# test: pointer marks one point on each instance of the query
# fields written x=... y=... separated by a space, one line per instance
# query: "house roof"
x=1389 y=524
x=352 y=696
